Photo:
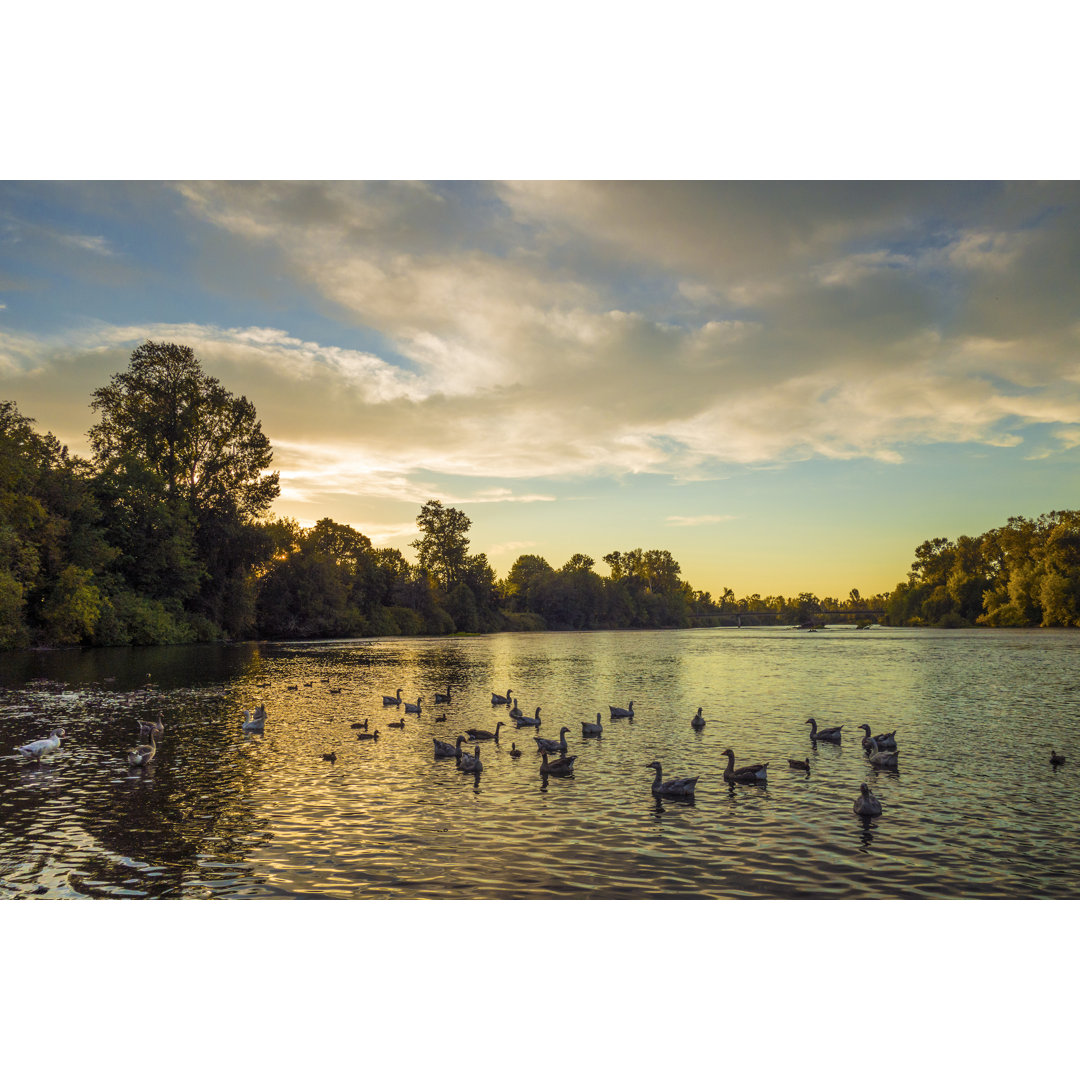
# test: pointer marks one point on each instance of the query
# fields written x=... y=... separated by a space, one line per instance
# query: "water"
x=974 y=810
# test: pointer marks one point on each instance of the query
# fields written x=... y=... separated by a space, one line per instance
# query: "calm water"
x=974 y=810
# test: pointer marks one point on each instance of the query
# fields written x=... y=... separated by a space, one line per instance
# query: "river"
x=974 y=809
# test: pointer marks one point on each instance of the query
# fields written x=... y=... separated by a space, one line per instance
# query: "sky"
x=787 y=385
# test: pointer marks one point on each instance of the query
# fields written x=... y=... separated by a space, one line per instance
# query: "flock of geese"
x=881 y=750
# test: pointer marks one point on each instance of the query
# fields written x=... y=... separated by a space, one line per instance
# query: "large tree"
x=443 y=547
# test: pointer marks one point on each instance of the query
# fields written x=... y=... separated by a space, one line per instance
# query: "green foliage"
x=443 y=547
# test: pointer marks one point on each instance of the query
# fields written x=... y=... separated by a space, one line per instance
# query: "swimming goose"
x=292 y=687
x=1056 y=759
x=528 y=721
x=674 y=788
x=698 y=721
x=470 y=762
x=748 y=774
x=478 y=734
x=335 y=690
x=307 y=684
x=35 y=751
x=866 y=805
x=148 y=728
x=441 y=699
x=397 y=724
x=885 y=742
x=619 y=714
x=551 y=745
x=142 y=755
x=251 y=723
x=498 y=699
x=392 y=700
x=560 y=766
x=441 y=718
x=803 y=765
x=331 y=757
x=592 y=729
x=414 y=708
x=514 y=751
x=829 y=734
x=515 y=712
x=259 y=713
x=365 y=735
x=445 y=749
x=360 y=725
x=882 y=759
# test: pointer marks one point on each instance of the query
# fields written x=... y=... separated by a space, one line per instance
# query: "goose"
x=829 y=734
x=699 y=721
x=885 y=742
x=331 y=757
x=397 y=724
x=259 y=713
x=882 y=759
x=478 y=734
x=866 y=805
x=748 y=774
x=414 y=708
x=498 y=699
x=471 y=762
x=441 y=699
x=588 y=729
x=392 y=700
x=307 y=684
x=674 y=788
x=441 y=718
x=551 y=745
x=360 y=725
x=528 y=721
x=560 y=766
x=619 y=714
x=515 y=712
x=335 y=690
x=365 y=735
x=144 y=754
x=514 y=751
x=251 y=723
x=1056 y=759
x=35 y=751
x=292 y=687
x=445 y=749
x=147 y=728
x=803 y=765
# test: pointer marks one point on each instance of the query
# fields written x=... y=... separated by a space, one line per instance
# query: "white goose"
x=677 y=787
x=698 y=721
x=446 y=750
x=35 y=751
x=528 y=721
x=588 y=729
x=409 y=707
x=882 y=759
x=392 y=700
x=552 y=745
x=498 y=699
x=885 y=742
x=620 y=714
x=251 y=723
x=829 y=734
x=866 y=805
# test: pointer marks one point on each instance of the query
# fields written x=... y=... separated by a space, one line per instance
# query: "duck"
x=551 y=745
x=885 y=742
x=829 y=734
x=35 y=751
x=1056 y=759
x=698 y=721
x=397 y=724
x=252 y=723
x=308 y=684
x=748 y=774
x=335 y=689
x=498 y=699
x=677 y=787
x=148 y=728
x=560 y=766
x=360 y=725
x=866 y=805
x=882 y=759
x=414 y=708
x=803 y=765
x=528 y=721
x=443 y=699
x=478 y=734
x=471 y=762
x=619 y=714
x=588 y=729
x=142 y=755
x=331 y=757
x=445 y=749
x=515 y=712
x=441 y=718
x=365 y=735
x=392 y=700
x=292 y=687
x=514 y=751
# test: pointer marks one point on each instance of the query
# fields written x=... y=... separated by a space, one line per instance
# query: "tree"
x=444 y=546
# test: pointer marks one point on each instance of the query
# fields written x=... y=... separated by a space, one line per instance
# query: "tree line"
x=165 y=534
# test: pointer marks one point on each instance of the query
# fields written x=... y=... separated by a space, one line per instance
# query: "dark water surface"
x=974 y=810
